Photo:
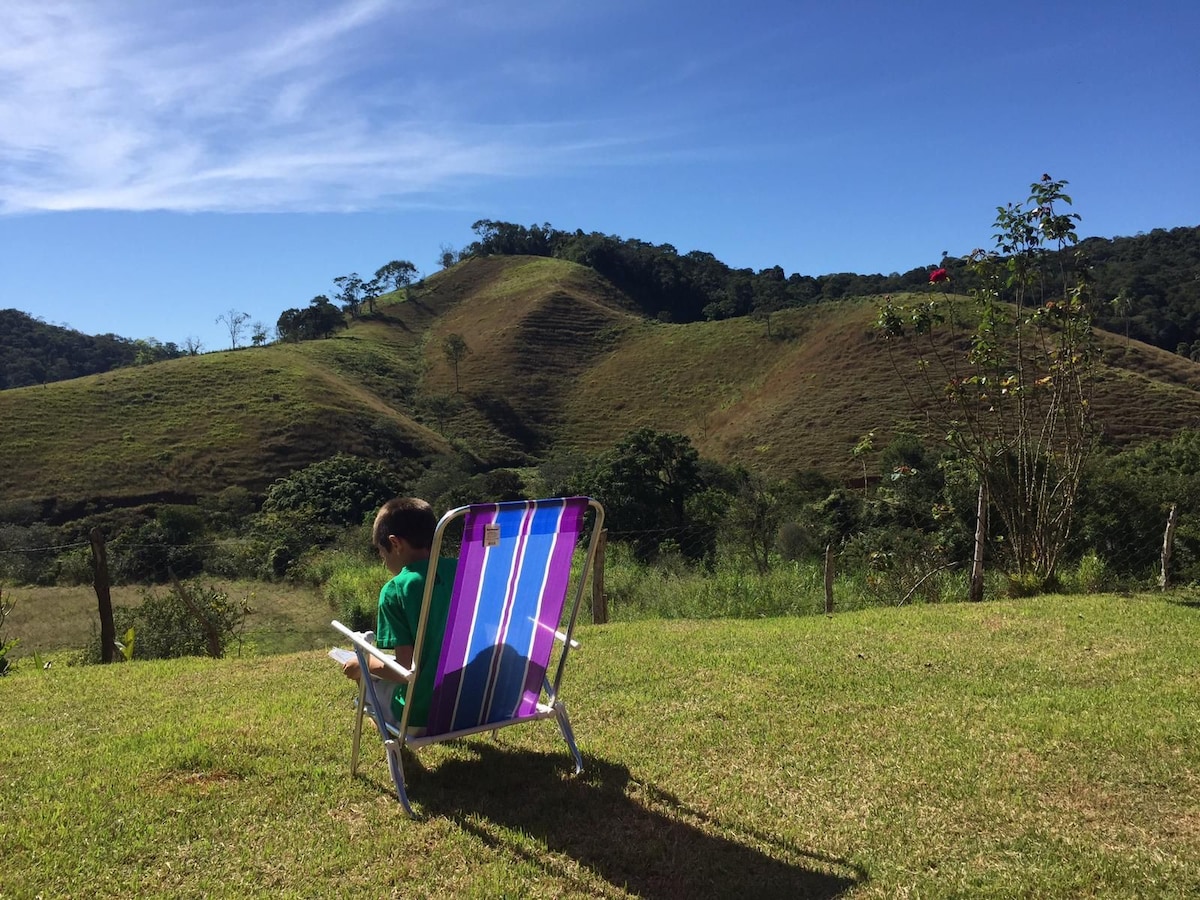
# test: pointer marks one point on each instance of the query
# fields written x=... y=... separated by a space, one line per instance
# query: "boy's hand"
x=351 y=669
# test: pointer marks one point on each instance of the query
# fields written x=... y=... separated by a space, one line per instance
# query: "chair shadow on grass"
x=632 y=834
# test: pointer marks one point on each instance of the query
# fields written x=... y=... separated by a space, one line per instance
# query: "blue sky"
x=163 y=163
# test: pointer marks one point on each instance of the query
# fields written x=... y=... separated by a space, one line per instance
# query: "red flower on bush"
x=938 y=275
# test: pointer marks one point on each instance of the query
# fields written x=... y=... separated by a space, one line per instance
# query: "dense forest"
x=1145 y=287
x=34 y=352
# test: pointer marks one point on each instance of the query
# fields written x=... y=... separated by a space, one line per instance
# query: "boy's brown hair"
x=410 y=518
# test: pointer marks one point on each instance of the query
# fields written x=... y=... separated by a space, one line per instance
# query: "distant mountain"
x=558 y=359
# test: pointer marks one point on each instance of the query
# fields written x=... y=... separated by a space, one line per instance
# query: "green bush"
x=1092 y=575
x=164 y=547
x=342 y=490
x=354 y=595
x=186 y=620
x=25 y=558
x=74 y=567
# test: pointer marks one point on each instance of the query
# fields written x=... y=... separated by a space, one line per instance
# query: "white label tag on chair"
x=491 y=535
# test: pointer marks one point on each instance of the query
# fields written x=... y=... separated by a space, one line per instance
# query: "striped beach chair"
x=508 y=615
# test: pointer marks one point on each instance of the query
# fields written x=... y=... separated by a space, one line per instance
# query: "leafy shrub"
x=74 y=567
x=342 y=490
x=354 y=594
x=897 y=565
x=26 y=558
x=795 y=542
x=165 y=546
x=185 y=620
x=645 y=483
x=1091 y=575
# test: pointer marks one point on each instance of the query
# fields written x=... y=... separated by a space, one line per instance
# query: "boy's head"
x=409 y=518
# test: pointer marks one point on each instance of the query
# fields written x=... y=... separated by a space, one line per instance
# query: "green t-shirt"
x=396 y=626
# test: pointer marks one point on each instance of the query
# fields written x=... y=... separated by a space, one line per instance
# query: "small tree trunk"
x=1164 y=578
x=108 y=630
x=830 y=565
x=599 y=600
x=976 y=588
x=211 y=633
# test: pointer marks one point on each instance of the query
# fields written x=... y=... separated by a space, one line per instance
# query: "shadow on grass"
x=631 y=834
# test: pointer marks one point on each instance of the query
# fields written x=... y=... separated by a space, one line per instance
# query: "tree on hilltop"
x=236 y=323
x=399 y=273
x=319 y=320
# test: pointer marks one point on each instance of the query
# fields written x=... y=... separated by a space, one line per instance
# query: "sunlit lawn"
x=1036 y=748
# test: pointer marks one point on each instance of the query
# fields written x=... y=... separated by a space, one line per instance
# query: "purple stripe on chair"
x=460 y=620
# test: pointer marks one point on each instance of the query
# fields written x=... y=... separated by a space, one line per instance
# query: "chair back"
x=506 y=612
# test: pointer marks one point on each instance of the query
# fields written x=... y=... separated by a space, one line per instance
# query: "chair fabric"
x=509 y=609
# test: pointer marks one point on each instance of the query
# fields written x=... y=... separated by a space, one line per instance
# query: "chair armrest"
x=359 y=640
x=559 y=636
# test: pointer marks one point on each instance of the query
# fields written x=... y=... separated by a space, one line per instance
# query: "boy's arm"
x=378 y=669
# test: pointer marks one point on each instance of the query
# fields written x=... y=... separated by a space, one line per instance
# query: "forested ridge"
x=1145 y=287
x=35 y=352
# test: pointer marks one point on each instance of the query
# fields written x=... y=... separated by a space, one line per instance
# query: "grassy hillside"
x=557 y=356
x=192 y=426
x=1038 y=748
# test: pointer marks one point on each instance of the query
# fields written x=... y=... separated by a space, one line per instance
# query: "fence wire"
x=882 y=570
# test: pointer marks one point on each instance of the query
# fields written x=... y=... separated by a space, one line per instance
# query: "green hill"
x=558 y=357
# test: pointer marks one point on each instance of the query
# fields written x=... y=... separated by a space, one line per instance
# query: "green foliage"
x=1123 y=506
x=24 y=558
x=342 y=490
x=352 y=590
x=34 y=352
x=755 y=514
x=320 y=319
x=399 y=273
x=188 y=619
x=1091 y=575
x=1016 y=402
x=645 y=483
x=73 y=566
x=168 y=545
x=455 y=349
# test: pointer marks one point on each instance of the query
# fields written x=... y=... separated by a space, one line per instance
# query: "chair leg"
x=564 y=725
x=396 y=765
x=358 y=719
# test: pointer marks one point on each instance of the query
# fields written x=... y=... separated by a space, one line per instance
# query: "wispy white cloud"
x=117 y=104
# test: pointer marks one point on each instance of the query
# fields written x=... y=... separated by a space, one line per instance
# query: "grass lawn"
x=1038 y=748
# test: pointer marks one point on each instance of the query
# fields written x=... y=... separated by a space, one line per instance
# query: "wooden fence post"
x=1164 y=578
x=830 y=565
x=976 y=588
x=599 y=600
x=108 y=630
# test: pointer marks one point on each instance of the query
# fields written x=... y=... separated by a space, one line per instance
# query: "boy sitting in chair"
x=402 y=533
